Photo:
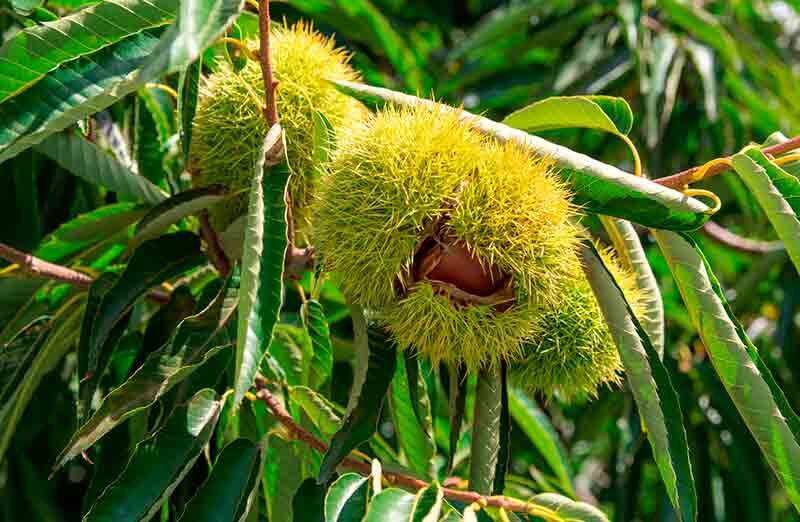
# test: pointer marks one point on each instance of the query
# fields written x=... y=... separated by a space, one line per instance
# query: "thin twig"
x=270 y=106
x=297 y=259
x=685 y=177
x=41 y=268
x=733 y=240
x=364 y=468
x=215 y=252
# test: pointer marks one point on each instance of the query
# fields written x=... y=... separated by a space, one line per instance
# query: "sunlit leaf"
x=631 y=254
x=261 y=294
x=597 y=187
x=760 y=401
x=778 y=193
x=605 y=113
x=346 y=500
x=93 y=82
x=38 y=50
x=650 y=384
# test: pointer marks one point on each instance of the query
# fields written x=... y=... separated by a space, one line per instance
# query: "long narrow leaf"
x=265 y=247
x=194 y=342
x=778 y=193
x=486 y=431
x=650 y=384
x=87 y=161
x=232 y=487
x=172 y=210
x=540 y=432
x=361 y=421
x=59 y=340
x=760 y=401
x=316 y=324
x=598 y=187
x=413 y=430
x=632 y=255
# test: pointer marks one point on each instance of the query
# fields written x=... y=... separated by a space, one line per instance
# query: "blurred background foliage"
x=703 y=78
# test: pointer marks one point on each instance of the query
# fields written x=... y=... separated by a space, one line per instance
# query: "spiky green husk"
x=476 y=335
x=575 y=354
x=396 y=174
x=229 y=126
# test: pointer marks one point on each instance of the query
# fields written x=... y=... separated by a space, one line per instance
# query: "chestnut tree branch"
x=364 y=468
x=270 y=106
x=215 y=252
x=41 y=268
x=685 y=177
x=726 y=237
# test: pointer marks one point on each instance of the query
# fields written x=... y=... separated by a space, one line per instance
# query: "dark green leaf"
x=163 y=324
x=159 y=463
x=308 y=504
x=361 y=420
x=486 y=431
x=232 y=487
x=41 y=360
x=172 y=210
x=411 y=414
x=456 y=406
x=187 y=104
x=504 y=453
x=196 y=340
x=86 y=160
x=153 y=263
x=95 y=354
x=148 y=149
